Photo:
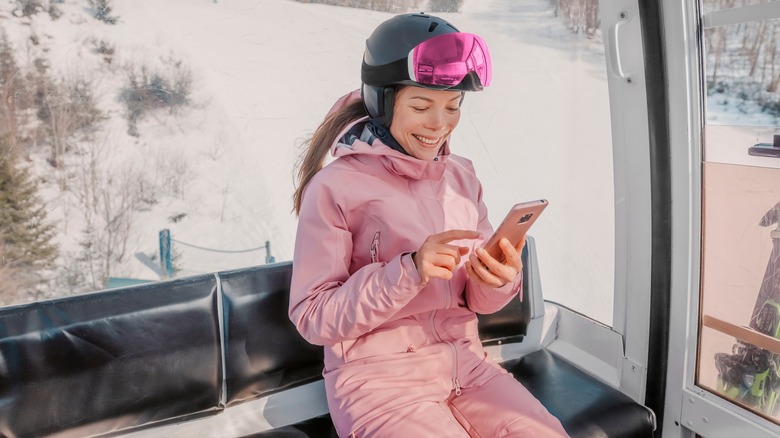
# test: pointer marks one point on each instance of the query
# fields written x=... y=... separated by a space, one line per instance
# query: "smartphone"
x=514 y=226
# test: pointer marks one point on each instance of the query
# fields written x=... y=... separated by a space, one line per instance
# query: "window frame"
x=689 y=409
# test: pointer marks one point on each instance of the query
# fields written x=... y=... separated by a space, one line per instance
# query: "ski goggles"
x=458 y=61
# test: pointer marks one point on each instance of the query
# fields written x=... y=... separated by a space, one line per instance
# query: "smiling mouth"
x=426 y=140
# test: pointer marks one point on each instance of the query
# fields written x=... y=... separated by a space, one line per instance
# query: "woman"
x=384 y=272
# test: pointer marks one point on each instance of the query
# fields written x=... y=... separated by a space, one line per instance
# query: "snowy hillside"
x=264 y=73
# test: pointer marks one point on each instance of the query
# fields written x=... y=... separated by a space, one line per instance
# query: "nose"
x=436 y=120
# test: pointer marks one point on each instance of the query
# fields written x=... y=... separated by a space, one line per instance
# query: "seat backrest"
x=264 y=353
x=108 y=360
x=167 y=351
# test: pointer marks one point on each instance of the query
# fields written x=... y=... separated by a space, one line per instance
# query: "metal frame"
x=691 y=410
x=630 y=136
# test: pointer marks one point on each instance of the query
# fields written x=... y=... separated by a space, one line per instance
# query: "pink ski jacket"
x=355 y=290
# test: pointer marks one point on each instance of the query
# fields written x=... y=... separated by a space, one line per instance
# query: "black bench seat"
x=586 y=406
x=188 y=354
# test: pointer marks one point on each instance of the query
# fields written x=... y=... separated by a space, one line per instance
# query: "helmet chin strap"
x=389 y=104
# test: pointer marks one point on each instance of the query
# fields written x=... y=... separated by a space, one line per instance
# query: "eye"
x=453 y=110
x=419 y=109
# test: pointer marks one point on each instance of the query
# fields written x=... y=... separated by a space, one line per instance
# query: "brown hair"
x=316 y=147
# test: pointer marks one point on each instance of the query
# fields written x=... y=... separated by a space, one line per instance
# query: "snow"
x=265 y=73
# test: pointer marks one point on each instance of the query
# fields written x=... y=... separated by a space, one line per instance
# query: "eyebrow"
x=431 y=100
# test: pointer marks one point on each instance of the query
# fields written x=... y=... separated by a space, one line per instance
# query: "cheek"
x=455 y=119
x=400 y=126
x=396 y=130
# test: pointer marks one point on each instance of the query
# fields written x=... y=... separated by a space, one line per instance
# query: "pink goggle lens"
x=446 y=59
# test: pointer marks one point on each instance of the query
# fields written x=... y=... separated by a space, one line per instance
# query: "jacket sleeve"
x=483 y=299
x=327 y=304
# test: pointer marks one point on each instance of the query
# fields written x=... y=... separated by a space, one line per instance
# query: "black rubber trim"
x=650 y=16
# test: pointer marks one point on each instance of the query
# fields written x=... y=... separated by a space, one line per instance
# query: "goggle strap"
x=384 y=75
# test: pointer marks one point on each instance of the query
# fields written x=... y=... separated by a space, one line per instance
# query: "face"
x=423 y=119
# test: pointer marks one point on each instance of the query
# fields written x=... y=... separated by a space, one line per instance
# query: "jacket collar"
x=357 y=140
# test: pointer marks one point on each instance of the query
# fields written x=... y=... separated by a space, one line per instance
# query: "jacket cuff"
x=513 y=286
x=401 y=272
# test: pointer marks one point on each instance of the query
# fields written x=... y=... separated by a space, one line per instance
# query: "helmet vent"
x=432 y=26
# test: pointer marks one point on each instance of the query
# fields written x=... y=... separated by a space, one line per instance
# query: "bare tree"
x=108 y=199
x=716 y=41
x=754 y=51
x=65 y=107
x=580 y=16
x=377 y=5
x=774 y=72
x=9 y=287
x=9 y=86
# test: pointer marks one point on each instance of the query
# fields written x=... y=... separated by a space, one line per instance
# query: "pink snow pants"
x=500 y=408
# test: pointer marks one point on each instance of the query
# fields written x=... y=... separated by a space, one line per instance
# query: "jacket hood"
x=356 y=140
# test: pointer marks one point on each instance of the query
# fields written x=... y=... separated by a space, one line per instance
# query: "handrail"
x=745 y=334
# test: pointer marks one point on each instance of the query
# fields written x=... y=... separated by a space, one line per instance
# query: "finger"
x=447 y=261
x=496 y=268
x=520 y=244
x=451 y=250
x=473 y=275
x=449 y=236
x=487 y=260
x=511 y=254
x=481 y=273
x=439 y=272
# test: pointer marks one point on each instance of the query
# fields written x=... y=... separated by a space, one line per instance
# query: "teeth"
x=427 y=140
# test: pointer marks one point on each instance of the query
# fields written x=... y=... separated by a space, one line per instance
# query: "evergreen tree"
x=25 y=234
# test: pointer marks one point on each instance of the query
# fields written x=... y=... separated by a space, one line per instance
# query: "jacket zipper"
x=374 y=250
x=455 y=381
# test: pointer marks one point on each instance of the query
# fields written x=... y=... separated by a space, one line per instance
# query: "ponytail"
x=316 y=147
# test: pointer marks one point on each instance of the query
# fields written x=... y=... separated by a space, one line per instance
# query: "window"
x=740 y=278
x=161 y=141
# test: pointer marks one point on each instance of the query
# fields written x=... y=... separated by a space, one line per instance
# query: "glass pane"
x=743 y=74
x=162 y=135
x=717 y=5
x=741 y=285
x=739 y=339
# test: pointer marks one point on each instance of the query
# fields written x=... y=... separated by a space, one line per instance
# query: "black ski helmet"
x=390 y=44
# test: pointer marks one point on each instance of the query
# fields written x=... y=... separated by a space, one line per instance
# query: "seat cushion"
x=586 y=406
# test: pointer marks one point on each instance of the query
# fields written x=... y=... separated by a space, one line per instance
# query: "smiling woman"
x=381 y=278
x=651 y=301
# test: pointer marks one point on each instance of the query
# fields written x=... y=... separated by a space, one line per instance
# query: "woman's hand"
x=487 y=271
x=436 y=258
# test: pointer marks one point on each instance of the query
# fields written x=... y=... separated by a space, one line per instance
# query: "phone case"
x=514 y=226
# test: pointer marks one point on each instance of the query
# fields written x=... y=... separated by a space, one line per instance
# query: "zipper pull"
x=374 y=250
x=456 y=385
